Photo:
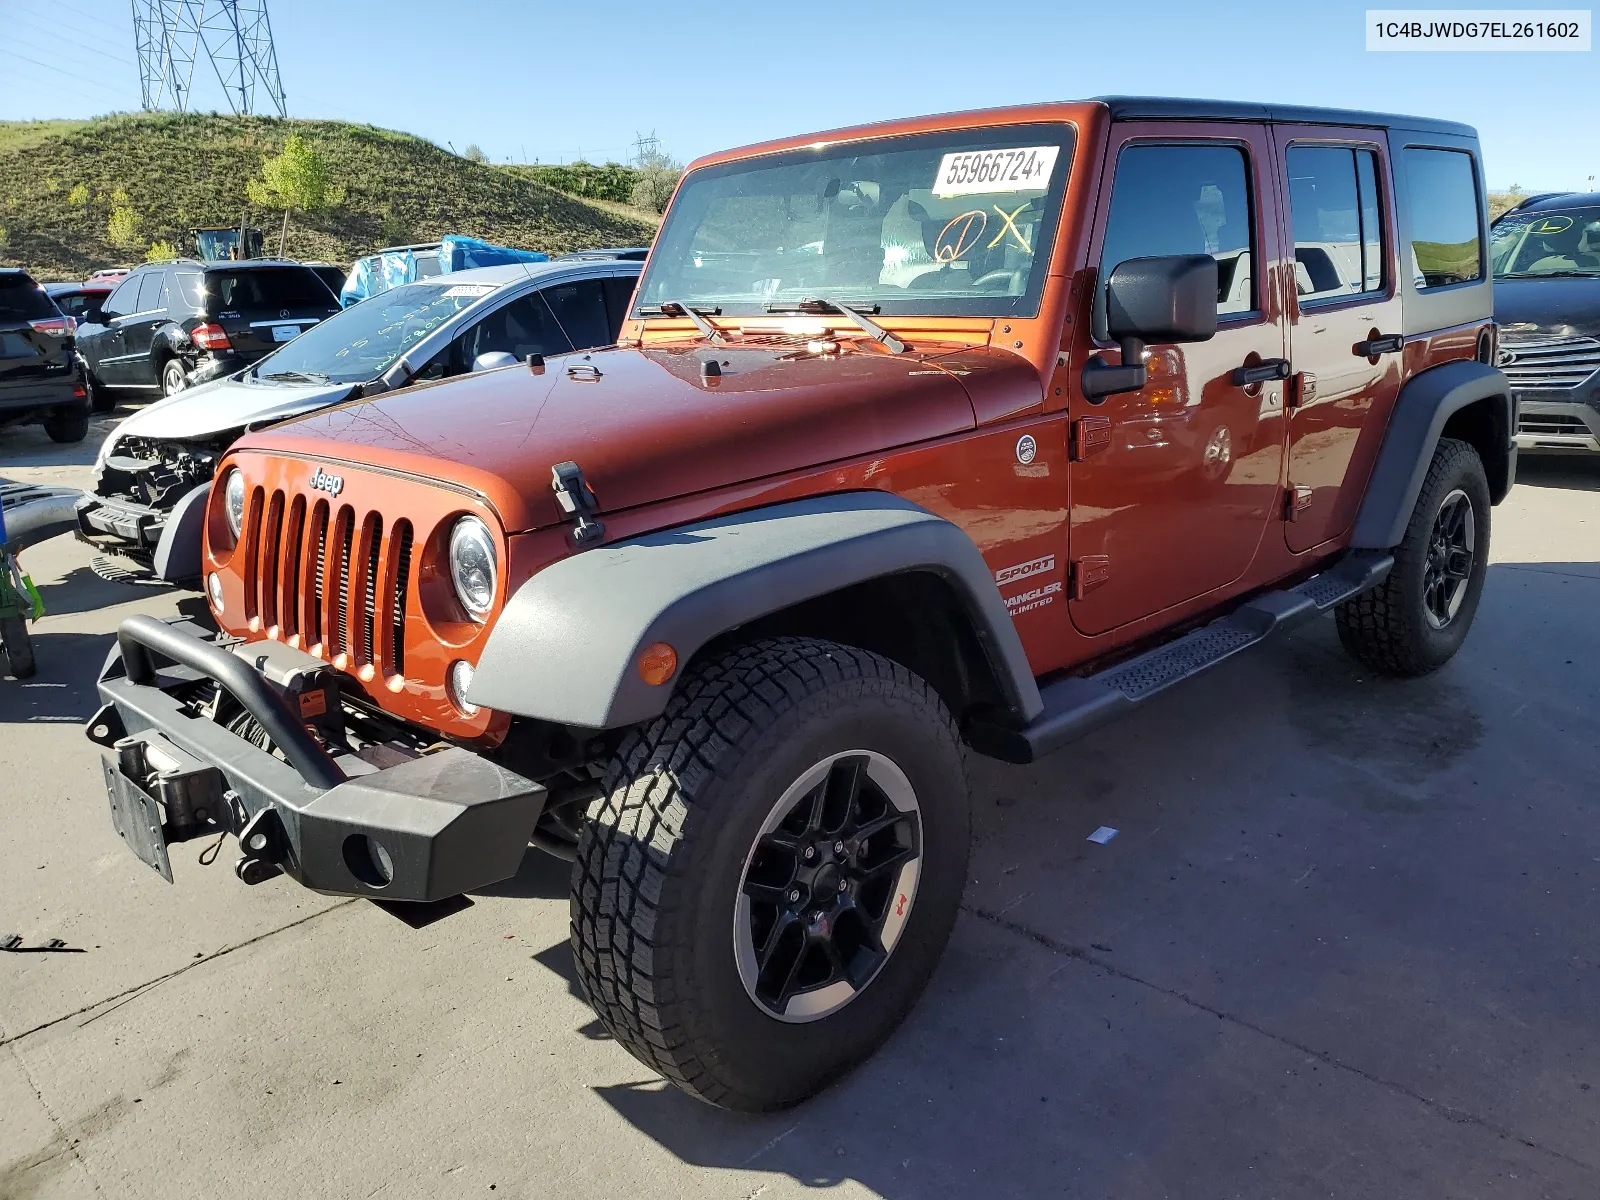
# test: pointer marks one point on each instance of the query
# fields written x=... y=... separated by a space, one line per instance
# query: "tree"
x=474 y=153
x=161 y=251
x=122 y=227
x=295 y=179
x=653 y=188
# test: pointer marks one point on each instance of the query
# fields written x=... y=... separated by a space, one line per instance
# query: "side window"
x=124 y=300
x=1333 y=208
x=1184 y=199
x=1442 y=206
x=520 y=328
x=150 y=291
x=619 y=291
x=581 y=309
x=191 y=287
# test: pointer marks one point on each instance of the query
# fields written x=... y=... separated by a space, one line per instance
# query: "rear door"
x=1339 y=220
x=29 y=357
x=260 y=308
x=1173 y=486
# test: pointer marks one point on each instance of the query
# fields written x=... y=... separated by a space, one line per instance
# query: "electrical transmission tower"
x=235 y=36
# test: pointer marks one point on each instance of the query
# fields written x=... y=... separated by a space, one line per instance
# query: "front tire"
x=712 y=946
x=100 y=400
x=1415 y=621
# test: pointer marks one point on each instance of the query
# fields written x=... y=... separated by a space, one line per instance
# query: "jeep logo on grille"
x=323 y=482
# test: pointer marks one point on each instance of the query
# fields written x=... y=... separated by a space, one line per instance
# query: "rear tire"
x=173 y=377
x=1415 y=621
x=67 y=425
x=18 y=647
x=674 y=870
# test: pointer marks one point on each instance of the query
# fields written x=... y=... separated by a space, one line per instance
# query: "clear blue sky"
x=551 y=79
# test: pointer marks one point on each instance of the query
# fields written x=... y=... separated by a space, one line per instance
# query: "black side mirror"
x=92 y=316
x=1172 y=298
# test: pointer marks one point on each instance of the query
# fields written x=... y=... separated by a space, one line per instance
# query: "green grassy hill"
x=58 y=180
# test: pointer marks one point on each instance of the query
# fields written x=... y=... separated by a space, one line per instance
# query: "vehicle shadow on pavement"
x=1558 y=471
x=63 y=689
x=1338 y=924
x=81 y=590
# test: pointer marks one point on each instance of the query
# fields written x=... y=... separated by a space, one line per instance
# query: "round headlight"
x=233 y=501
x=473 y=566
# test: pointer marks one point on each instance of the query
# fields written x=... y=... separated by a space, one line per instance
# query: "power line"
x=52 y=50
x=60 y=71
x=82 y=34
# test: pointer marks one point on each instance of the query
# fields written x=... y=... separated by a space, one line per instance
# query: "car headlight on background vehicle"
x=473 y=566
x=233 y=501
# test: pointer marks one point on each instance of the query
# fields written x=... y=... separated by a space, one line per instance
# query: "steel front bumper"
x=426 y=829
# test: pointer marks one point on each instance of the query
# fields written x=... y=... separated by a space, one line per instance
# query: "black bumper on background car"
x=1556 y=421
x=42 y=397
x=428 y=828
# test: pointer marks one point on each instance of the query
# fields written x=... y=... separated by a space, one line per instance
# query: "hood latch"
x=577 y=502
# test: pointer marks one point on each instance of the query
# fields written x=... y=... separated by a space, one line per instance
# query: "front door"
x=1173 y=486
x=1345 y=303
x=102 y=347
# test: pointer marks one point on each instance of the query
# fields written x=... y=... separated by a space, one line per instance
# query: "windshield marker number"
x=1025 y=169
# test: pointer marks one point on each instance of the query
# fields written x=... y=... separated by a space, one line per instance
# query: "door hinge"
x=1296 y=499
x=1302 y=389
x=1089 y=435
x=1088 y=573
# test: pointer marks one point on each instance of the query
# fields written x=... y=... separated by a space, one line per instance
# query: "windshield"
x=956 y=223
x=1550 y=241
x=364 y=341
x=21 y=299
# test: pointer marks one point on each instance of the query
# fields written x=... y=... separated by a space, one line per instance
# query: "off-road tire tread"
x=617 y=896
x=1373 y=627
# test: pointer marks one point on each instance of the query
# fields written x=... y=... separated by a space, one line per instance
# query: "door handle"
x=1265 y=371
x=1384 y=343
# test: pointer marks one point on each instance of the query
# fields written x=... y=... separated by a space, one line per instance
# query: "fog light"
x=214 y=590
x=457 y=682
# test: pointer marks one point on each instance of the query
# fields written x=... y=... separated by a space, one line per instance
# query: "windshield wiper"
x=821 y=304
x=308 y=376
x=1565 y=273
x=676 y=308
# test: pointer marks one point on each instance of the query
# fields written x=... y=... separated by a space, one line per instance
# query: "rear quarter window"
x=21 y=299
x=1443 y=211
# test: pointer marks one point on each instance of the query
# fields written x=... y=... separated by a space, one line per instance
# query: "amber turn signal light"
x=657 y=662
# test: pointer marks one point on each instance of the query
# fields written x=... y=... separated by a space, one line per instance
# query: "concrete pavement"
x=1344 y=945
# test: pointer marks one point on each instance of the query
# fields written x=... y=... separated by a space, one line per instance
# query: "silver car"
x=154 y=470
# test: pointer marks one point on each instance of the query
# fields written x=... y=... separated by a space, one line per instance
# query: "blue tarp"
x=390 y=268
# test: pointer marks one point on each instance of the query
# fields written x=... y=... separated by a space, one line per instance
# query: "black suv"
x=37 y=379
x=169 y=325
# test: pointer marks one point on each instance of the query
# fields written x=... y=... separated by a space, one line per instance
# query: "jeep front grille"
x=330 y=580
x=1550 y=363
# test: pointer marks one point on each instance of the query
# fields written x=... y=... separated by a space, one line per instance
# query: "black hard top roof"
x=1173 y=108
x=1561 y=200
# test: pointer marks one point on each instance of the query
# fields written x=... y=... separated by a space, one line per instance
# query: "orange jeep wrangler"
x=958 y=433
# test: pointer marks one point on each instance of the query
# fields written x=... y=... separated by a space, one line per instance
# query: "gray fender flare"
x=1425 y=404
x=177 y=554
x=565 y=647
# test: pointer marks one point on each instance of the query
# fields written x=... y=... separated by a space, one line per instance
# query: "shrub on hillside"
x=122 y=228
x=654 y=188
x=609 y=182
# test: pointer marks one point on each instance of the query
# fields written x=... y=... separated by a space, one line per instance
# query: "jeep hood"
x=225 y=405
x=649 y=425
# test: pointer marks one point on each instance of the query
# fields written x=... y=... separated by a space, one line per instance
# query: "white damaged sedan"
x=154 y=471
